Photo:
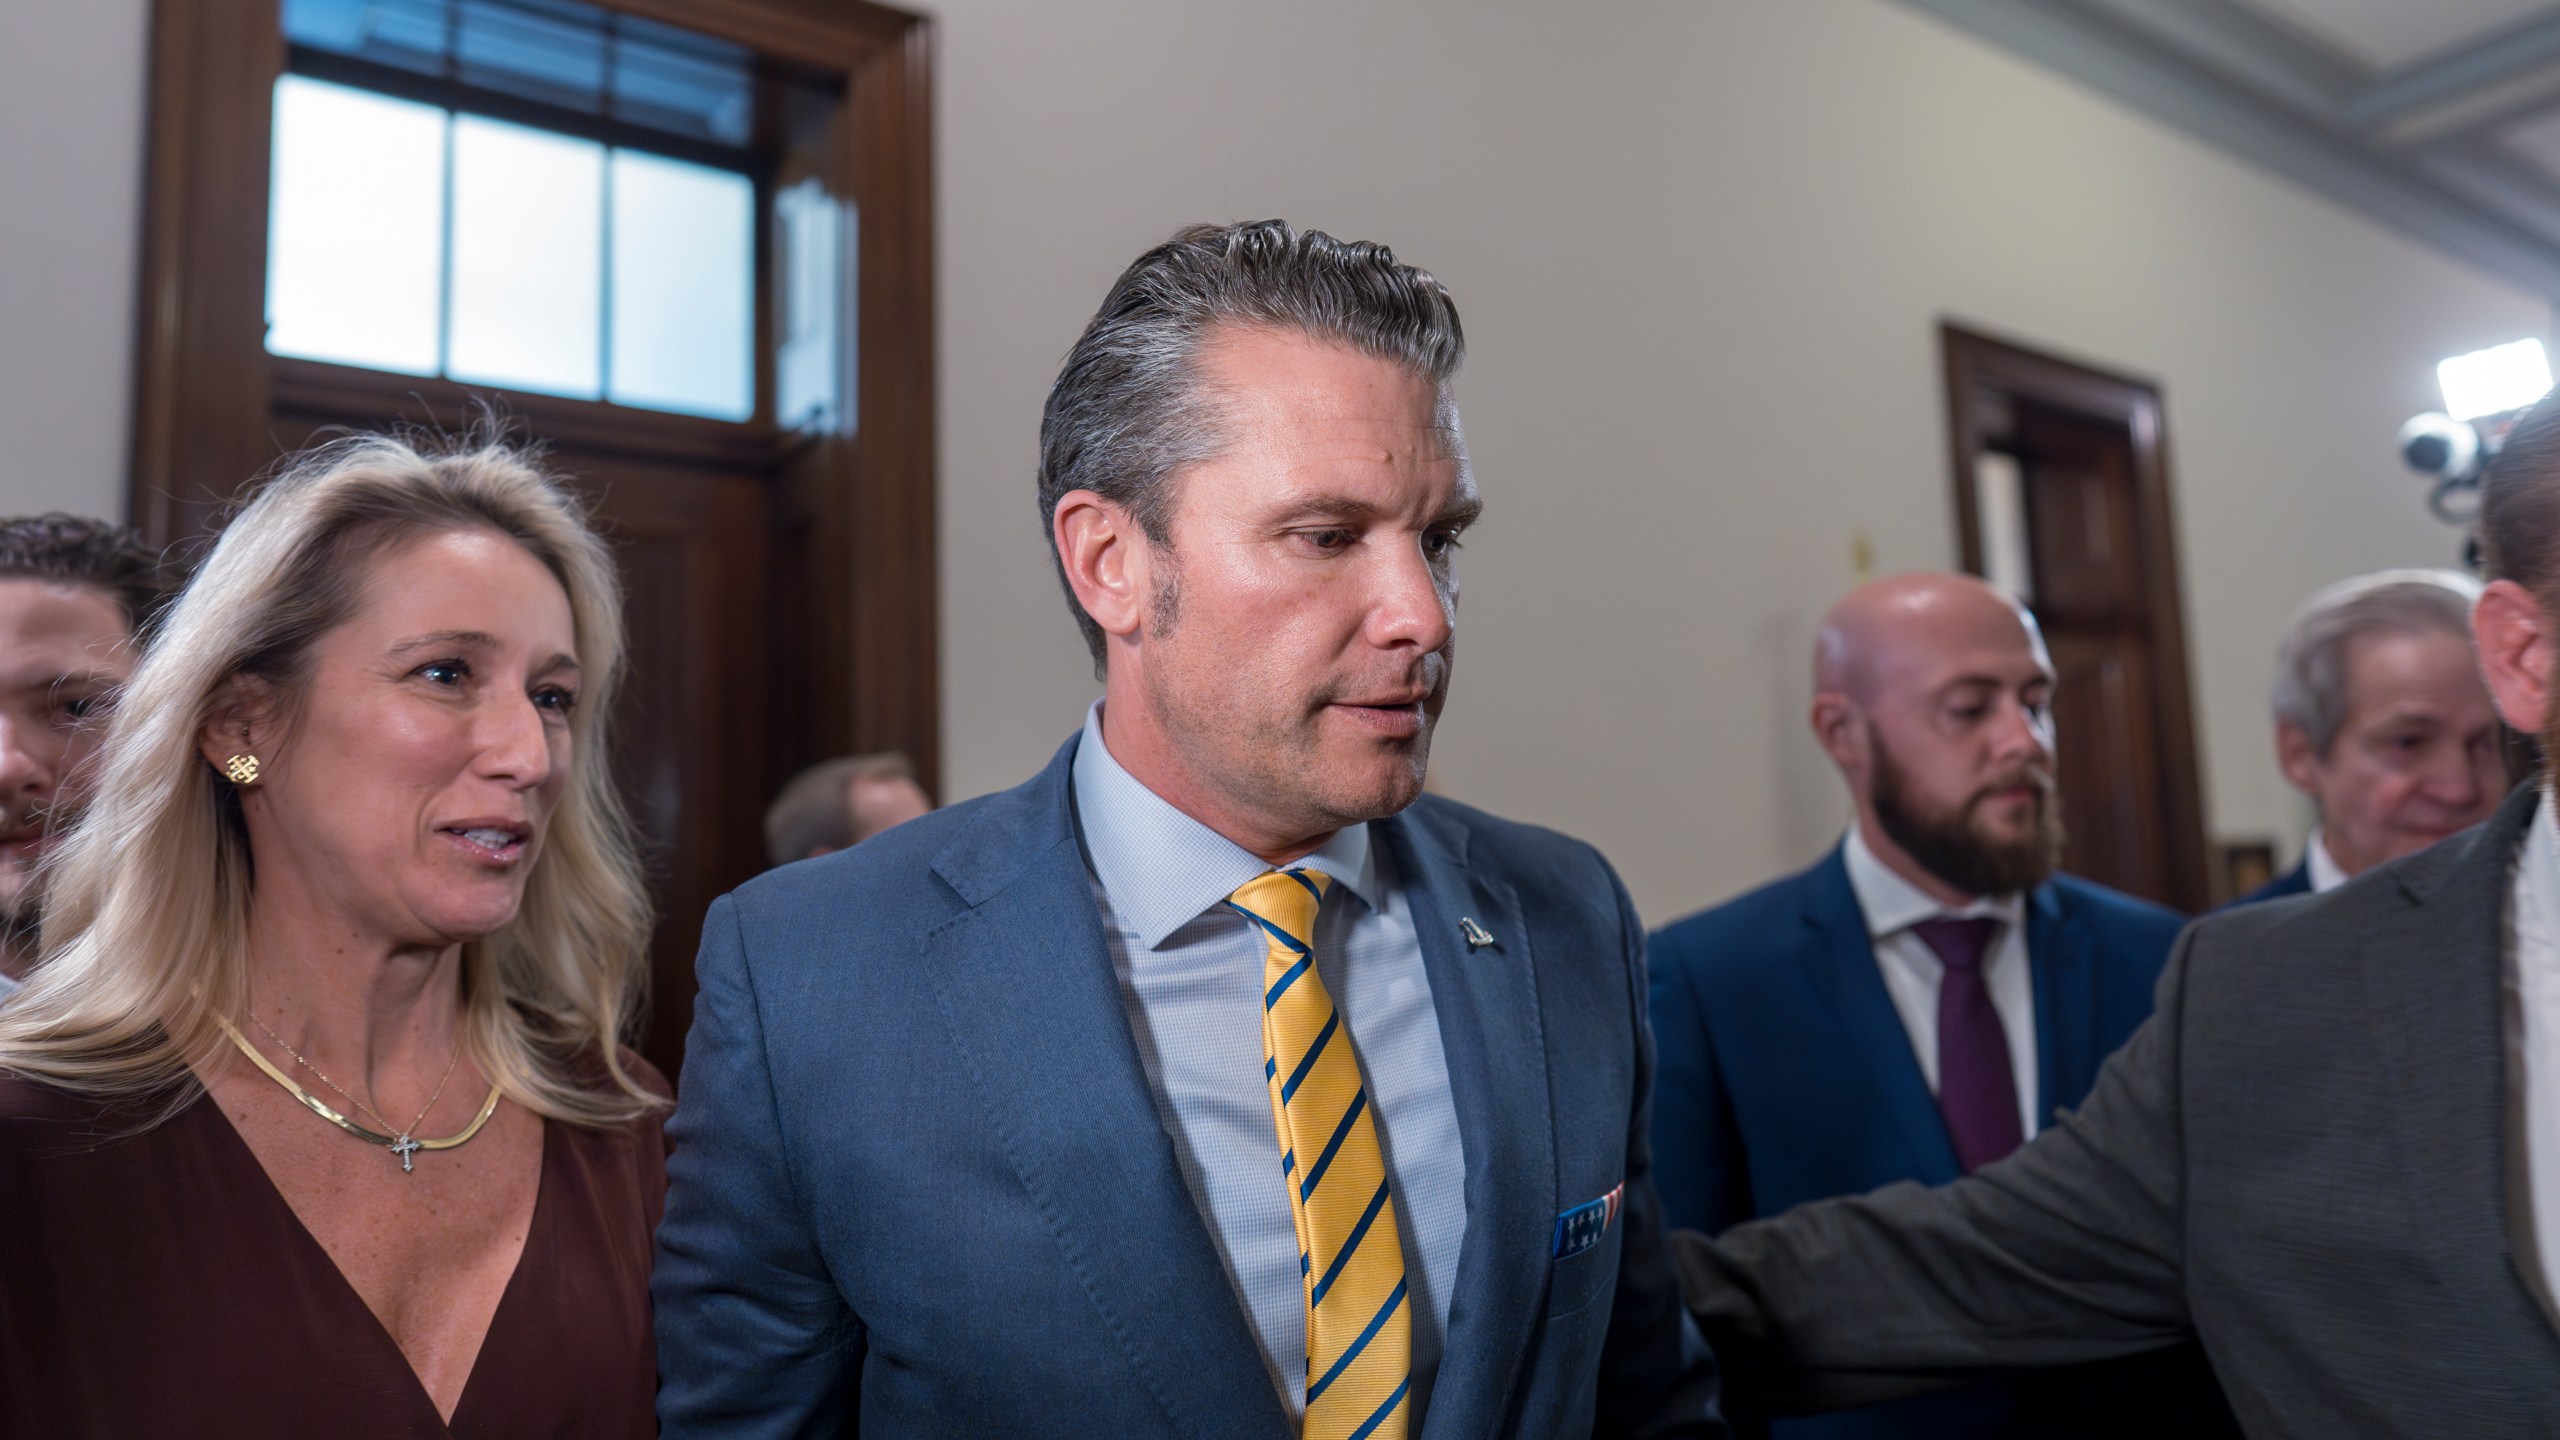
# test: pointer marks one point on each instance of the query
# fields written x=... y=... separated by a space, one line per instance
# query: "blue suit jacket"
x=1786 y=1076
x=921 y=1185
x=2296 y=881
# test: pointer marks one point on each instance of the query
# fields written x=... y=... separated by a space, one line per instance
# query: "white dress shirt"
x=2534 y=917
x=1191 y=978
x=2324 y=872
x=1913 y=972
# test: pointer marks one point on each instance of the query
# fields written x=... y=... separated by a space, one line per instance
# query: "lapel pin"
x=1477 y=936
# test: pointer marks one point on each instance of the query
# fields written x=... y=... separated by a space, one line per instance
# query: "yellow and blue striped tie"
x=1359 y=1327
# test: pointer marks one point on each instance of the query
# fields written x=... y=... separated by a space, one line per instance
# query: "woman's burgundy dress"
x=156 y=1284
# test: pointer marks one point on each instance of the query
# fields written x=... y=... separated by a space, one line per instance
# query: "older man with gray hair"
x=2382 y=719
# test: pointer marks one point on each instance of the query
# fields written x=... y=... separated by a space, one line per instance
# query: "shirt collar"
x=2537 y=870
x=1161 y=867
x=1893 y=904
x=2323 y=868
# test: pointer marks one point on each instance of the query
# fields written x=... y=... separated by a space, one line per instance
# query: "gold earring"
x=243 y=770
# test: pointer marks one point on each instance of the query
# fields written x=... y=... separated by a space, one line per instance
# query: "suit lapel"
x=1846 y=974
x=2060 y=958
x=2434 y=973
x=1028 y=992
x=1490 y=1029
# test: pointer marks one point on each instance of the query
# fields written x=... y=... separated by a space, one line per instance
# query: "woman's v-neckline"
x=535 y=1231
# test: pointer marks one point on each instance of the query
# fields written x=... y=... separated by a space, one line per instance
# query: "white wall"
x=71 y=112
x=1702 y=247
x=1702 y=250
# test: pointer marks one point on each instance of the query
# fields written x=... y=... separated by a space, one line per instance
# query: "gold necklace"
x=349 y=1096
x=404 y=1144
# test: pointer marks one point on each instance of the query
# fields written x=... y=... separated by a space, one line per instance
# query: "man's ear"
x=241 y=722
x=2515 y=642
x=1841 y=731
x=1106 y=556
x=2298 y=757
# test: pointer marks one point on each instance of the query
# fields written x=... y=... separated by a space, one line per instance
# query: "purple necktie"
x=1977 y=1090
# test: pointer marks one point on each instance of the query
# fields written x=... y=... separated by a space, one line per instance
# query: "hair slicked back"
x=1127 y=414
x=2520 y=504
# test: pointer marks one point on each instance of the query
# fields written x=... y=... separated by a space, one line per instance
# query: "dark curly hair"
x=78 y=550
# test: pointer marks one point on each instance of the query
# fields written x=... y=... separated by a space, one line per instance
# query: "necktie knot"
x=1284 y=902
x=1958 y=941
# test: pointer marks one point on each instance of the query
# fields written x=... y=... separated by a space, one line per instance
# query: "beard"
x=1952 y=843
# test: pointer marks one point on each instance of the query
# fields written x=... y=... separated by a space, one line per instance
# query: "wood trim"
x=828 y=36
x=208 y=395
x=319 y=390
x=896 y=667
x=201 y=394
x=1980 y=365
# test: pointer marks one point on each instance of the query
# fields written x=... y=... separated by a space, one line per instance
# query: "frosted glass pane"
x=683 y=262
x=356 y=214
x=528 y=262
x=808 y=379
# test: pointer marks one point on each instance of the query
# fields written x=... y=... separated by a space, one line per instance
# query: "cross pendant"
x=404 y=1147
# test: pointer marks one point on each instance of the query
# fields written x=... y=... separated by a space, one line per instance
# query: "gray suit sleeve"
x=754 y=1339
x=2069 y=1250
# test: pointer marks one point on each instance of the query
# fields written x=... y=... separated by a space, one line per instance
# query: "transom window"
x=538 y=195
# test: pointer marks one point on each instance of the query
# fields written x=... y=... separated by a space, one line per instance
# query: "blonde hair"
x=146 y=923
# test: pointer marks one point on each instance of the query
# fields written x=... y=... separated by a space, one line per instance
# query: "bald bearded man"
x=1924 y=998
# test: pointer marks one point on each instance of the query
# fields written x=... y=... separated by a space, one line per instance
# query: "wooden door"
x=778 y=570
x=2097 y=558
x=687 y=732
x=2077 y=493
x=691 y=535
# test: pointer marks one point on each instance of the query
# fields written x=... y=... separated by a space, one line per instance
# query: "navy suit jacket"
x=921 y=1186
x=1785 y=1075
x=2296 y=881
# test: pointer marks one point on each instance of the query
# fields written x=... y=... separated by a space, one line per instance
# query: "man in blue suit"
x=2382 y=719
x=1927 y=996
x=1215 y=1082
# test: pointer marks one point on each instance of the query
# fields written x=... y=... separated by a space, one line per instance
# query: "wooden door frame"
x=1976 y=363
x=863 y=516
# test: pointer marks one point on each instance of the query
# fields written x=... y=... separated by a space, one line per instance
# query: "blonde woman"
x=314 y=1122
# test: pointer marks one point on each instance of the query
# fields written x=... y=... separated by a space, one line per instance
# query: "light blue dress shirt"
x=1190 y=974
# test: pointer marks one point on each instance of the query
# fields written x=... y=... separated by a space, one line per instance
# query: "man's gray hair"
x=2311 y=663
x=1128 y=410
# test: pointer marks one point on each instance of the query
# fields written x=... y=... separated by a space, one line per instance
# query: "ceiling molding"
x=2506 y=54
x=2498 y=181
x=2245 y=46
x=2230 y=76
x=2480 y=111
